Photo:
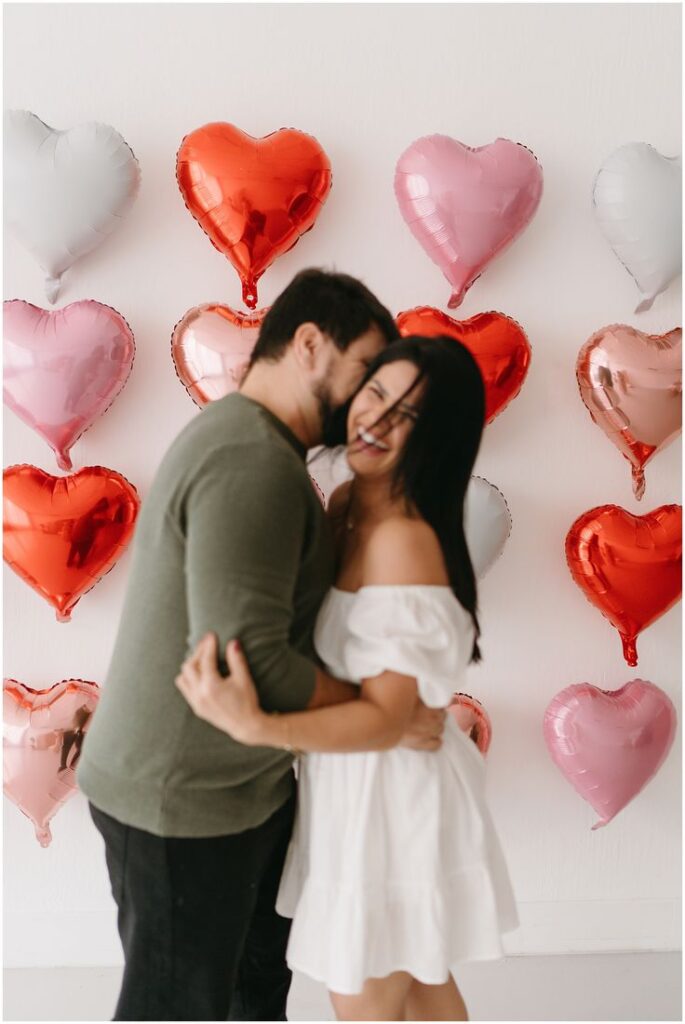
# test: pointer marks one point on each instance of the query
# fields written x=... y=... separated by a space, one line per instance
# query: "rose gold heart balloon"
x=631 y=383
x=211 y=348
x=472 y=719
x=609 y=744
x=43 y=734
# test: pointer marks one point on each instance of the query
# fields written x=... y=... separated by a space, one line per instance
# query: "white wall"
x=572 y=83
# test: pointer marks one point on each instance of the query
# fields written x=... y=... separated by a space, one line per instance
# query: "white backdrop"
x=572 y=83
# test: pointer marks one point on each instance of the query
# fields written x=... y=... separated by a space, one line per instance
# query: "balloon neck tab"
x=43 y=835
x=455 y=300
x=599 y=824
x=250 y=294
x=64 y=460
x=638 y=482
x=52 y=287
x=646 y=304
x=63 y=616
x=629 y=649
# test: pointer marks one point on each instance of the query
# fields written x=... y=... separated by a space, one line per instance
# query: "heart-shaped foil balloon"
x=487 y=519
x=62 y=534
x=472 y=719
x=638 y=201
x=211 y=348
x=465 y=205
x=632 y=384
x=252 y=197
x=628 y=566
x=497 y=343
x=42 y=737
x=64 y=368
x=65 y=191
x=609 y=743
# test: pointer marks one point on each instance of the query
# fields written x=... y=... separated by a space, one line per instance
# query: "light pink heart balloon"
x=211 y=348
x=64 y=368
x=609 y=743
x=42 y=737
x=466 y=205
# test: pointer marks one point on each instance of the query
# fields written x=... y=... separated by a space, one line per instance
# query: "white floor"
x=603 y=987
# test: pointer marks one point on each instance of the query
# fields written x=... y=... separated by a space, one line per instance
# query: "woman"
x=394 y=874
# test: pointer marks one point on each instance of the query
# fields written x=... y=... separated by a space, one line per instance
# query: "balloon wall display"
x=211 y=348
x=631 y=383
x=629 y=567
x=42 y=737
x=472 y=719
x=637 y=198
x=62 y=534
x=497 y=343
x=254 y=198
x=609 y=744
x=65 y=191
x=465 y=206
x=64 y=368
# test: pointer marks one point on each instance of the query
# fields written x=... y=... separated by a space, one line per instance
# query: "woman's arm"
x=377 y=721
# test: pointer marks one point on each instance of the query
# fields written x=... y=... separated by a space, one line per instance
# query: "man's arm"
x=245 y=517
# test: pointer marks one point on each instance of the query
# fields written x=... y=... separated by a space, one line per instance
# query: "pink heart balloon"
x=609 y=743
x=211 y=348
x=43 y=734
x=466 y=205
x=64 y=368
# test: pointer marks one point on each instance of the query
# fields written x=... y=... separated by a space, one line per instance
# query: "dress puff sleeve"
x=420 y=631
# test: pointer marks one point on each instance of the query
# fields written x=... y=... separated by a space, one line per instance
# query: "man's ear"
x=307 y=345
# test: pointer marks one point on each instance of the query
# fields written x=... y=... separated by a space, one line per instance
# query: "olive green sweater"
x=232 y=538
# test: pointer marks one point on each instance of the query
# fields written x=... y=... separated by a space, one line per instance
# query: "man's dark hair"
x=341 y=307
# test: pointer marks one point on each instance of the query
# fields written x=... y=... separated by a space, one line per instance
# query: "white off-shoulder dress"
x=394 y=862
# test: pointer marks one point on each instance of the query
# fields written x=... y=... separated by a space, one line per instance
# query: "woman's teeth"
x=369 y=439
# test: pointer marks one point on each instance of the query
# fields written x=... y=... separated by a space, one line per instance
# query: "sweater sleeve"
x=245 y=525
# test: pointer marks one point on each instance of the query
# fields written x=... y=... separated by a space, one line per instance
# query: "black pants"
x=201 y=937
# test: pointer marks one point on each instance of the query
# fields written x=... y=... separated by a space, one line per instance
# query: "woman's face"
x=374 y=448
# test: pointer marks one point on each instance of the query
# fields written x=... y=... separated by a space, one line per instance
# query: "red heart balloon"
x=211 y=348
x=43 y=734
x=628 y=566
x=62 y=534
x=252 y=197
x=497 y=343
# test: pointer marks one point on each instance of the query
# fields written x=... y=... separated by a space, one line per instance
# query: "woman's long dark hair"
x=435 y=466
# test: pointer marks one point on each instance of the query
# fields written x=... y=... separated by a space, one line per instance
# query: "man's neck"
x=270 y=387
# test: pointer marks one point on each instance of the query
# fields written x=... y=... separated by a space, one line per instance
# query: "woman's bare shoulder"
x=404 y=551
x=339 y=499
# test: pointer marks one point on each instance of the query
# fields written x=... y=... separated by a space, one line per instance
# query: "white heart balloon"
x=65 y=191
x=487 y=523
x=637 y=196
x=487 y=520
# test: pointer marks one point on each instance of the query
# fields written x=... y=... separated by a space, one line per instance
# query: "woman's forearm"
x=356 y=726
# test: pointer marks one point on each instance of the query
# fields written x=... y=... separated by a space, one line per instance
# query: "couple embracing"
x=259 y=632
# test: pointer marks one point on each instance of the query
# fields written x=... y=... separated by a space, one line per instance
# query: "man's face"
x=345 y=370
x=340 y=377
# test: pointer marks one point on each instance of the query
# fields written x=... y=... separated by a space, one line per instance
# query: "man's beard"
x=333 y=418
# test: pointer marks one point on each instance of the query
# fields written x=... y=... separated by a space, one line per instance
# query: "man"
x=232 y=539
